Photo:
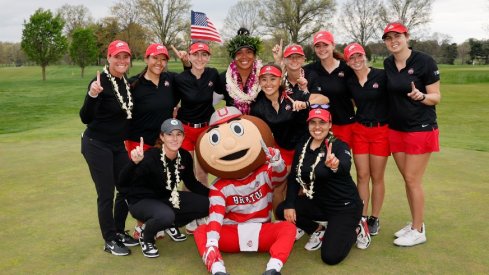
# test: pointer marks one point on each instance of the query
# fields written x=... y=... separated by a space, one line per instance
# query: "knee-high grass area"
x=48 y=220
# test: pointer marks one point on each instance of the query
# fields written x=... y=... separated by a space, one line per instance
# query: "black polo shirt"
x=196 y=95
x=405 y=114
x=287 y=126
x=371 y=98
x=333 y=85
x=106 y=120
x=153 y=104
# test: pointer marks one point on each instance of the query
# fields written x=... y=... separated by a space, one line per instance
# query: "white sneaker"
x=299 y=233
x=412 y=237
x=192 y=226
x=403 y=230
x=363 y=235
x=315 y=240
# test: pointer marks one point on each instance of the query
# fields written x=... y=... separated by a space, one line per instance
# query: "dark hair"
x=140 y=75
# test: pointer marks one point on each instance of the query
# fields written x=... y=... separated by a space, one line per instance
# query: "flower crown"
x=243 y=39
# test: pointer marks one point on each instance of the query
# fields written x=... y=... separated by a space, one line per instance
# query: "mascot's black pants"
x=158 y=214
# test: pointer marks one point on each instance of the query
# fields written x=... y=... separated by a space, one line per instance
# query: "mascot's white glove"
x=211 y=255
x=273 y=157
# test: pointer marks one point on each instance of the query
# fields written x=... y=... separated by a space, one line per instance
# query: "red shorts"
x=287 y=155
x=371 y=140
x=414 y=143
x=191 y=135
x=131 y=145
x=343 y=132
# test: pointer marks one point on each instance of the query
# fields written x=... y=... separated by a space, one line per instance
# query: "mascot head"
x=231 y=147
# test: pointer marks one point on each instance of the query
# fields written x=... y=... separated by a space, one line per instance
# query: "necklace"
x=174 y=198
x=308 y=189
x=242 y=99
x=127 y=107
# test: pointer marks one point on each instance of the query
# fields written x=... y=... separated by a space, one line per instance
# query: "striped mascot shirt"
x=248 y=200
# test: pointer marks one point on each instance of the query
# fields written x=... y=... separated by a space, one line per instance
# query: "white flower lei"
x=307 y=191
x=127 y=107
x=175 y=197
x=235 y=92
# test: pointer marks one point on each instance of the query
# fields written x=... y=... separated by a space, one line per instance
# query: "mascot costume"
x=236 y=150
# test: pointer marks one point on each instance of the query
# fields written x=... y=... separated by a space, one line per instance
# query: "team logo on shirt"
x=288 y=107
x=376 y=85
x=249 y=243
x=436 y=72
x=167 y=84
x=341 y=74
x=411 y=71
x=211 y=84
x=181 y=167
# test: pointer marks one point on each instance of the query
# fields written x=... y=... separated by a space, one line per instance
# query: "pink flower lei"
x=242 y=100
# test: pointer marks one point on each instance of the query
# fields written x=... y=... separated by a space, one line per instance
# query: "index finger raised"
x=141 y=142
x=98 y=77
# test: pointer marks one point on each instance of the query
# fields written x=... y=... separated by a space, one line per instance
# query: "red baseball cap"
x=352 y=49
x=293 y=49
x=223 y=115
x=394 y=27
x=118 y=46
x=323 y=36
x=199 y=46
x=156 y=49
x=319 y=113
x=270 y=69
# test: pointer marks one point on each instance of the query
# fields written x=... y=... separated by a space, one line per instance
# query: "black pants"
x=159 y=214
x=105 y=161
x=340 y=233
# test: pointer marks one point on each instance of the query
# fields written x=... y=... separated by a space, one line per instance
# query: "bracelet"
x=308 y=104
x=424 y=97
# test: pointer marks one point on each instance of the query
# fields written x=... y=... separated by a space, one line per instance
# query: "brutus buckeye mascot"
x=235 y=149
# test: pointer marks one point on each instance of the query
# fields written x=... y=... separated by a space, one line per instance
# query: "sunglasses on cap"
x=320 y=106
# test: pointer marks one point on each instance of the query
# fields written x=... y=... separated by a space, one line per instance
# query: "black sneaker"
x=149 y=248
x=175 y=234
x=127 y=239
x=373 y=225
x=116 y=247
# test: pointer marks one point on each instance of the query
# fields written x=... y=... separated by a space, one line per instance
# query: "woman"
x=239 y=82
x=151 y=186
x=196 y=87
x=321 y=170
x=331 y=72
x=107 y=111
x=281 y=108
x=155 y=99
x=370 y=133
x=413 y=82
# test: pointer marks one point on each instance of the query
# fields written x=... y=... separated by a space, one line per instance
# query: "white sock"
x=274 y=264
x=218 y=267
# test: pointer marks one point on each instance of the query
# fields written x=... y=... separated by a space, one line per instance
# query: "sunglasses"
x=320 y=106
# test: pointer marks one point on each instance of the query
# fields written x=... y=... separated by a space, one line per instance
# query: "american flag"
x=202 y=28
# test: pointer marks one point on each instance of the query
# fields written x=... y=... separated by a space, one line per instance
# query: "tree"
x=463 y=52
x=245 y=13
x=43 y=40
x=75 y=17
x=165 y=19
x=359 y=19
x=83 y=48
x=448 y=53
x=106 y=30
x=412 y=13
x=299 y=19
x=128 y=15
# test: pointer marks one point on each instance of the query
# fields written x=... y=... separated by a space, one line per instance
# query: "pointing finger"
x=98 y=78
x=177 y=53
x=413 y=87
x=281 y=44
x=141 y=142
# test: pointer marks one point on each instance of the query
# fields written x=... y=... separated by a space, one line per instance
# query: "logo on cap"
x=319 y=35
x=174 y=122
x=390 y=26
x=201 y=46
x=351 y=47
x=160 y=47
x=294 y=48
x=120 y=44
x=317 y=111
x=268 y=68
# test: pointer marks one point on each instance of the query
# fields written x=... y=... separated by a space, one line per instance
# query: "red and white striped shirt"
x=248 y=200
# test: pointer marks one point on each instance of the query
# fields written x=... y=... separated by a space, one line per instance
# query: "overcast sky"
x=460 y=19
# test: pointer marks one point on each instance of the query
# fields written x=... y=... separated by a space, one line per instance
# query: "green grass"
x=49 y=223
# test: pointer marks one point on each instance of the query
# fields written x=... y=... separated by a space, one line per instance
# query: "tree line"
x=72 y=36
